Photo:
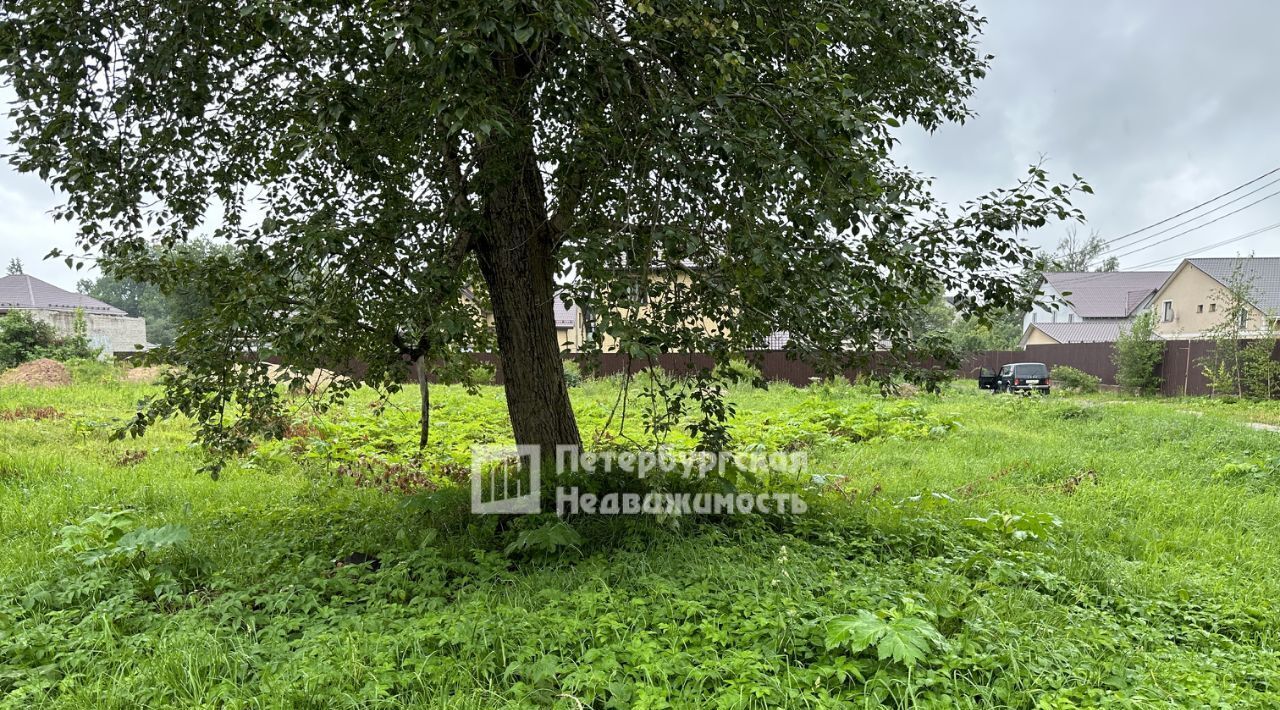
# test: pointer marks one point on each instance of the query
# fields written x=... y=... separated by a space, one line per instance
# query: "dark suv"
x=1023 y=377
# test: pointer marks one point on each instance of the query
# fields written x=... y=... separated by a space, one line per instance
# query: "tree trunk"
x=516 y=255
x=424 y=391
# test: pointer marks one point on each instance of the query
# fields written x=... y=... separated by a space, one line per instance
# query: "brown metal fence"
x=1180 y=367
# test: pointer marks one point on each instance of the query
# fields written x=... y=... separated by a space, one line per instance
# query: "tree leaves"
x=707 y=173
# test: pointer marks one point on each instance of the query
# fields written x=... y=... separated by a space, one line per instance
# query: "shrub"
x=739 y=370
x=23 y=339
x=481 y=374
x=1070 y=378
x=572 y=373
x=93 y=371
x=1138 y=354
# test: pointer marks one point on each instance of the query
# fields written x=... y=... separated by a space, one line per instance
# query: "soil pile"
x=37 y=373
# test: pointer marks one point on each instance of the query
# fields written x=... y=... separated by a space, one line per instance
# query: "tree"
x=1078 y=254
x=15 y=267
x=1138 y=354
x=1240 y=362
x=163 y=311
x=935 y=316
x=1000 y=332
x=681 y=160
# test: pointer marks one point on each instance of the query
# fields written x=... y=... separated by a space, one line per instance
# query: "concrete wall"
x=114 y=334
x=1196 y=305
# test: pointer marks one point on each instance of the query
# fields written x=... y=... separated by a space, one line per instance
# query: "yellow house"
x=570 y=324
x=571 y=327
x=680 y=282
x=1193 y=301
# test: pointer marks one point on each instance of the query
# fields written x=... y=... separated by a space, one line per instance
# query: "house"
x=1107 y=296
x=1102 y=331
x=107 y=327
x=571 y=327
x=1194 y=299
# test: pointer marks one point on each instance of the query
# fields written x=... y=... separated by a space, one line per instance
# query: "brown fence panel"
x=1093 y=358
x=1180 y=367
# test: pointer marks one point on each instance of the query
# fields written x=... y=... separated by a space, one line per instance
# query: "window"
x=1168 y=312
x=1035 y=316
x=1032 y=370
x=1071 y=318
x=1200 y=308
x=1213 y=308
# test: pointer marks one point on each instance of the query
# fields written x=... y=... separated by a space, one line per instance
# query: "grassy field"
x=958 y=551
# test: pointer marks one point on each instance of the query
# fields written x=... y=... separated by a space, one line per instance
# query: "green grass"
x=1157 y=589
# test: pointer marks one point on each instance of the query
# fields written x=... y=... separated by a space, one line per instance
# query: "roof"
x=23 y=292
x=777 y=340
x=1086 y=332
x=1106 y=294
x=566 y=316
x=1262 y=273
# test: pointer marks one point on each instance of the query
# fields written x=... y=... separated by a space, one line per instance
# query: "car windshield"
x=1033 y=371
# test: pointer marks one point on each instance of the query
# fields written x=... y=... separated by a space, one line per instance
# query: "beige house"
x=570 y=323
x=107 y=327
x=1089 y=306
x=571 y=327
x=679 y=282
x=1058 y=333
x=1093 y=296
x=1193 y=301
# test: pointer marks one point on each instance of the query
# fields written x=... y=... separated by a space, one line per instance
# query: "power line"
x=1201 y=226
x=1166 y=230
x=1193 y=209
x=1110 y=242
x=1199 y=250
x=1240 y=237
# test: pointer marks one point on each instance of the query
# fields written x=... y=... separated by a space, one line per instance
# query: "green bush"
x=1069 y=378
x=739 y=370
x=1138 y=354
x=481 y=375
x=23 y=338
x=572 y=373
x=93 y=371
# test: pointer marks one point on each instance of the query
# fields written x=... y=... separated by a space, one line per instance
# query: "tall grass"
x=1156 y=589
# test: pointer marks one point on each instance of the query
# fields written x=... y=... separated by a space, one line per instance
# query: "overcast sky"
x=1160 y=105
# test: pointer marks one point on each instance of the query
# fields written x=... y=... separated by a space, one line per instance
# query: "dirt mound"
x=317 y=382
x=37 y=373
x=143 y=374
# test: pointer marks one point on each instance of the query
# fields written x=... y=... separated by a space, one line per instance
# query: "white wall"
x=1055 y=313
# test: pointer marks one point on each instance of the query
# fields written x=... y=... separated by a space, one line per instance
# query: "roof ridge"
x=39 y=294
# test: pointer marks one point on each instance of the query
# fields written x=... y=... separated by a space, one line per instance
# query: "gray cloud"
x=1160 y=105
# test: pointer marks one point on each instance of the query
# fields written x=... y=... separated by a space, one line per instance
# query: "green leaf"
x=908 y=640
x=855 y=633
